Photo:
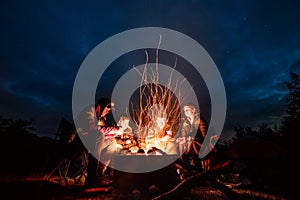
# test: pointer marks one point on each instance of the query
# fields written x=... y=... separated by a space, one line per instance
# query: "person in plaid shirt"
x=193 y=132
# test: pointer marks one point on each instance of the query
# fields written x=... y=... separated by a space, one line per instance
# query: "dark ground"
x=47 y=190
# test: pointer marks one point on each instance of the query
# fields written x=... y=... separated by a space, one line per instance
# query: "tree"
x=19 y=126
x=244 y=131
x=291 y=121
x=292 y=117
x=263 y=131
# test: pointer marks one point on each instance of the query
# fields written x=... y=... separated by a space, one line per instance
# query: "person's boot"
x=108 y=173
x=101 y=176
x=95 y=177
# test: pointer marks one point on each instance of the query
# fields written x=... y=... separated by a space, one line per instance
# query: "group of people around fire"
x=104 y=138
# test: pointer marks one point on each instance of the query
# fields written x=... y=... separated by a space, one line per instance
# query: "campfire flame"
x=155 y=100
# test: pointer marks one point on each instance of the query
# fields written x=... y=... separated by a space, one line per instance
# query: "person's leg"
x=193 y=156
x=111 y=149
x=106 y=157
x=92 y=175
x=95 y=177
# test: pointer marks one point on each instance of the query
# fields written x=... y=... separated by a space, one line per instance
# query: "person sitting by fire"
x=125 y=135
x=124 y=125
x=160 y=135
x=194 y=124
x=110 y=130
x=98 y=130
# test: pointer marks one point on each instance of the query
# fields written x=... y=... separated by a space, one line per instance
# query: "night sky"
x=43 y=43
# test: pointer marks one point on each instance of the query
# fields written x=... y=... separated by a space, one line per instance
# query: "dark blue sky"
x=43 y=44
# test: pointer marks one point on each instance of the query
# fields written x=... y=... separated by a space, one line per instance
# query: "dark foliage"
x=289 y=127
x=291 y=121
x=22 y=151
x=286 y=135
x=24 y=154
x=263 y=131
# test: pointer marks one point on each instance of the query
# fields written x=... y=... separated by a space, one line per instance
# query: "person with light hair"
x=124 y=125
x=125 y=135
x=193 y=132
x=160 y=135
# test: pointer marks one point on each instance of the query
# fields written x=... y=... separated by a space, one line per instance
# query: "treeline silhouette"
x=275 y=146
x=24 y=154
x=22 y=151
x=286 y=133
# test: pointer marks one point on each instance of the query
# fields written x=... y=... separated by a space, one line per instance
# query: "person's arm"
x=109 y=132
x=184 y=129
x=203 y=126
